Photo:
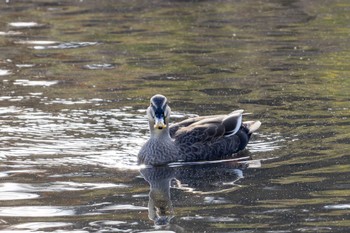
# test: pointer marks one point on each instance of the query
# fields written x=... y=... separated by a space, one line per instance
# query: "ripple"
x=106 y=223
x=66 y=45
x=215 y=200
x=109 y=138
x=23 y=171
x=11 y=98
x=36 y=42
x=73 y=186
x=50 y=44
x=25 y=65
x=5 y=98
x=111 y=226
x=71 y=101
x=338 y=207
x=10 y=33
x=25 y=24
x=314 y=229
x=156 y=231
x=41 y=225
x=210 y=219
x=265 y=142
x=35 y=211
x=25 y=82
x=99 y=66
x=5 y=72
x=123 y=207
x=56 y=187
x=35 y=93
x=7 y=196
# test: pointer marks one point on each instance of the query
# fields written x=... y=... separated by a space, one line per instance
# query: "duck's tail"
x=252 y=126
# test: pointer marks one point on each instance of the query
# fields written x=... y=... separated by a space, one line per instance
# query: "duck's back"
x=211 y=138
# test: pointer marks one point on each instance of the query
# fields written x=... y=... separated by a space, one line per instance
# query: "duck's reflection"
x=160 y=207
x=207 y=178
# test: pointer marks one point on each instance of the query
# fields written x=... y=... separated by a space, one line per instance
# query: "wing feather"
x=207 y=129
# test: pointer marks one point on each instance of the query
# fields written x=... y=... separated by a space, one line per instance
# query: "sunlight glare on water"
x=36 y=42
x=24 y=24
x=4 y=72
x=65 y=45
x=7 y=196
x=36 y=211
x=25 y=82
x=57 y=187
x=67 y=134
x=41 y=225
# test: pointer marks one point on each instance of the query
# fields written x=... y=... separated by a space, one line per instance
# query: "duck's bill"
x=159 y=123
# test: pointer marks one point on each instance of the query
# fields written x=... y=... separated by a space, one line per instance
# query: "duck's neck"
x=160 y=133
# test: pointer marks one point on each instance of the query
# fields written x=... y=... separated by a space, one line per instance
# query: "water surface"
x=76 y=77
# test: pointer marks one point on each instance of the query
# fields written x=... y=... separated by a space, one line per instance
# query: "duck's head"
x=158 y=112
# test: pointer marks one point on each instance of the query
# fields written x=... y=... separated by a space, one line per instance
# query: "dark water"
x=76 y=77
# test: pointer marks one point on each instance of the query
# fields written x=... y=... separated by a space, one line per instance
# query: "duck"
x=201 y=138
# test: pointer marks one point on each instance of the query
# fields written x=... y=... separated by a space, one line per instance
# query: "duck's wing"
x=190 y=121
x=207 y=129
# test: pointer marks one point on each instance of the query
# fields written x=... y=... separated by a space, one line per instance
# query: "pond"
x=76 y=78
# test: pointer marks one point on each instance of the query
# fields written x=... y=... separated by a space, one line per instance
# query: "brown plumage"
x=194 y=139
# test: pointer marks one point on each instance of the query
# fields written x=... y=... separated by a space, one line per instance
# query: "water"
x=76 y=77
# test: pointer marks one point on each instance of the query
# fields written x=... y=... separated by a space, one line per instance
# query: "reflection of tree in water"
x=198 y=178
